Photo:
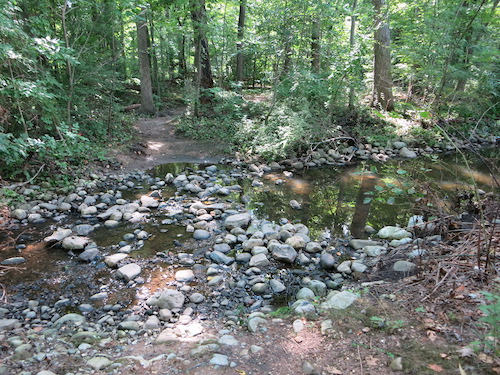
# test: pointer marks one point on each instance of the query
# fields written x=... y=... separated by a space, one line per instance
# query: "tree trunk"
x=315 y=44
x=202 y=56
x=147 y=105
x=240 y=59
x=351 y=47
x=382 y=80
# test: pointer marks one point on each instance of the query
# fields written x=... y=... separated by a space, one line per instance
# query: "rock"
x=326 y=326
x=129 y=325
x=406 y=153
x=91 y=210
x=339 y=301
x=129 y=271
x=308 y=368
x=260 y=288
x=298 y=325
x=359 y=244
x=221 y=258
x=64 y=206
x=237 y=221
x=399 y=145
x=184 y=275
x=259 y=260
x=197 y=298
x=305 y=294
x=403 y=241
x=228 y=340
x=277 y=286
x=98 y=363
x=358 y=267
x=284 y=253
x=22 y=352
x=165 y=337
x=404 y=266
x=318 y=287
x=327 y=261
x=58 y=235
x=45 y=372
x=297 y=242
x=201 y=234
x=147 y=201
x=19 y=214
x=303 y=307
x=373 y=251
x=9 y=324
x=345 y=267
x=397 y=364
x=222 y=247
x=111 y=223
x=13 y=261
x=295 y=205
x=83 y=229
x=85 y=337
x=393 y=233
x=72 y=318
x=167 y=299
x=114 y=259
x=255 y=322
x=219 y=360
x=313 y=247
x=75 y=242
x=152 y=323
x=90 y=255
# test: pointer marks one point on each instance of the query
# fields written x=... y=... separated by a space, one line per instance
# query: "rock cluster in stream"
x=237 y=267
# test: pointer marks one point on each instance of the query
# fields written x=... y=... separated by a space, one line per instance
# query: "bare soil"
x=157 y=142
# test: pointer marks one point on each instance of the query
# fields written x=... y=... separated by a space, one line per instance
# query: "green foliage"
x=491 y=318
x=385 y=324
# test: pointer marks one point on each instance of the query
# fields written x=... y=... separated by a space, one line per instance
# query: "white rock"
x=129 y=271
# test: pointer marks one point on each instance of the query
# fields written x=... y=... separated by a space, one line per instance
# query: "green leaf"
x=373 y=169
x=398 y=191
x=391 y=201
x=401 y=171
x=425 y=114
x=367 y=200
x=379 y=188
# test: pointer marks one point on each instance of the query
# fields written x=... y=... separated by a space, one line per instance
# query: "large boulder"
x=282 y=252
x=393 y=233
x=339 y=301
x=167 y=299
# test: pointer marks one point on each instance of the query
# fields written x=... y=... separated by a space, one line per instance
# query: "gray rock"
x=297 y=242
x=308 y=368
x=237 y=221
x=64 y=206
x=13 y=261
x=303 y=307
x=305 y=294
x=45 y=372
x=393 y=233
x=201 y=234
x=339 y=301
x=295 y=205
x=90 y=255
x=318 y=287
x=219 y=360
x=111 y=223
x=152 y=323
x=129 y=325
x=277 y=286
x=114 y=259
x=404 y=266
x=222 y=247
x=228 y=340
x=19 y=214
x=9 y=324
x=283 y=253
x=129 y=271
x=99 y=363
x=327 y=261
x=256 y=322
x=399 y=145
x=69 y=319
x=75 y=242
x=397 y=364
x=358 y=267
x=91 y=210
x=406 y=153
x=221 y=258
x=58 y=235
x=357 y=244
x=345 y=267
x=313 y=247
x=83 y=229
x=402 y=241
x=197 y=298
x=373 y=251
x=259 y=260
x=149 y=202
x=260 y=288
x=184 y=275
x=167 y=299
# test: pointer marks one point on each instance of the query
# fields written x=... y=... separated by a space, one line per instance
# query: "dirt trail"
x=156 y=142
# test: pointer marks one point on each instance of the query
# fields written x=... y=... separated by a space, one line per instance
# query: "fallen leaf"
x=432 y=336
x=462 y=372
x=371 y=361
x=429 y=323
x=443 y=355
x=485 y=358
x=460 y=289
x=434 y=367
x=496 y=370
x=465 y=352
x=241 y=372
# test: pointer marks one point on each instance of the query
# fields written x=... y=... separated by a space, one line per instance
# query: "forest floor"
x=424 y=320
x=157 y=142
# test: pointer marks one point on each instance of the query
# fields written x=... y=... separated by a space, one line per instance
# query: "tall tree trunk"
x=154 y=58
x=202 y=56
x=315 y=44
x=147 y=105
x=351 y=47
x=287 y=58
x=69 y=67
x=240 y=58
x=382 y=79
x=182 y=67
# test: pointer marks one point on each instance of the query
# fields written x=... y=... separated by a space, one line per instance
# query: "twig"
x=26 y=182
x=439 y=284
x=360 y=362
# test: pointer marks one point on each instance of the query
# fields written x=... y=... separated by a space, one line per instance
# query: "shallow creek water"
x=340 y=201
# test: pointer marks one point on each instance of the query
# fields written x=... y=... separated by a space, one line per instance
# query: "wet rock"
x=393 y=233
x=221 y=258
x=75 y=242
x=83 y=229
x=237 y=221
x=72 y=318
x=339 y=301
x=13 y=261
x=404 y=266
x=167 y=299
x=129 y=271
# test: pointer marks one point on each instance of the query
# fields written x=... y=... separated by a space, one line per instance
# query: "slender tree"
x=382 y=78
x=240 y=58
x=204 y=77
x=315 y=43
x=147 y=105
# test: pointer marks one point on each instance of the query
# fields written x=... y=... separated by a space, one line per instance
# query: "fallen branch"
x=26 y=182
